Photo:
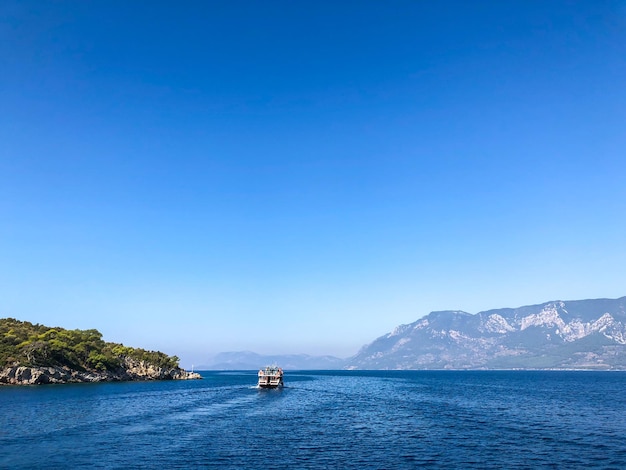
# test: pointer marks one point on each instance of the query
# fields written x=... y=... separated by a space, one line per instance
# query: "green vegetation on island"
x=33 y=345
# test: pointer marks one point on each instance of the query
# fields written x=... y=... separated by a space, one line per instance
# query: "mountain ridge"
x=578 y=334
x=248 y=360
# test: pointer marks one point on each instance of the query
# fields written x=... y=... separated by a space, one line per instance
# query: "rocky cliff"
x=131 y=370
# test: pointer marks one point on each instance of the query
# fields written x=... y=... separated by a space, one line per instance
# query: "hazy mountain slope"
x=247 y=360
x=573 y=334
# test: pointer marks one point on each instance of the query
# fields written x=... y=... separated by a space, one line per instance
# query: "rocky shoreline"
x=132 y=370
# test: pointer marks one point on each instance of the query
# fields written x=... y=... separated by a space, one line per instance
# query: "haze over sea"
x=323 y=419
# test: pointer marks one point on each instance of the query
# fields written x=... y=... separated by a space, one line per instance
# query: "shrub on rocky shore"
x=38 y=354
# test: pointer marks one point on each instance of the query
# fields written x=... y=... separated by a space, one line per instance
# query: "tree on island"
x=34 y=345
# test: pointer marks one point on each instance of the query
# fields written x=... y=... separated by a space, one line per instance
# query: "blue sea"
x=323 y=419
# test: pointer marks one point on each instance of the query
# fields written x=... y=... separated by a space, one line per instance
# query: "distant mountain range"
x=582 y=334
x=579 y=334
x=247 y=360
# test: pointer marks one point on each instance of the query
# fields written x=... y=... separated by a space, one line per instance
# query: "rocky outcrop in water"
x=39 y=354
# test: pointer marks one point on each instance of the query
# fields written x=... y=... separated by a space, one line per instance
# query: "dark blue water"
x=383 y=420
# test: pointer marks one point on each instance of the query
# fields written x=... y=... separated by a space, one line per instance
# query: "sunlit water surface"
x=322 y=419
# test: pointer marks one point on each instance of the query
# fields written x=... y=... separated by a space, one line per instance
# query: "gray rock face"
x=583 y=334
x=35 y=375
x=131 y=370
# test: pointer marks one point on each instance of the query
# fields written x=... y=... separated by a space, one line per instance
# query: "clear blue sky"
x=301 y=177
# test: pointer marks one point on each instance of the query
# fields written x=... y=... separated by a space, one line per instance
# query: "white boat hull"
x=271 y=377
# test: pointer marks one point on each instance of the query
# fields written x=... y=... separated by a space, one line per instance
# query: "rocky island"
x=33 y=354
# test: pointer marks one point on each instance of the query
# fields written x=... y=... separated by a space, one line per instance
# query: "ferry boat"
x=271 y=377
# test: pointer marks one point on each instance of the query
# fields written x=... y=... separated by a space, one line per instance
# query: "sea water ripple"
x=323 y=419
